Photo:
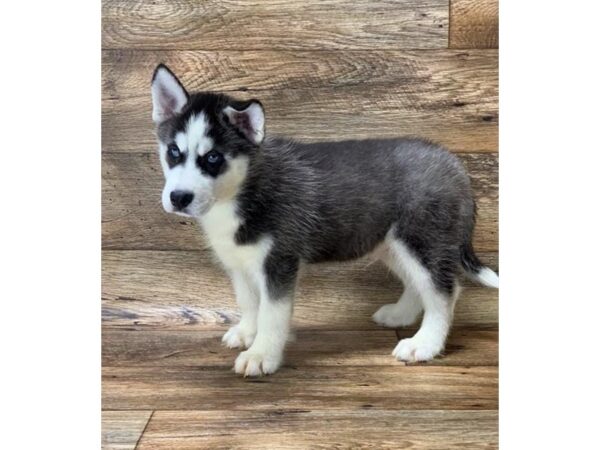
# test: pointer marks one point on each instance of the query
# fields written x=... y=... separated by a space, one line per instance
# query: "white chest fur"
x=220 y=225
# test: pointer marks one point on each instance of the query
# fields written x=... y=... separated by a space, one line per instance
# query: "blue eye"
x=214 y=158
x=211 y=163
x=173 y=154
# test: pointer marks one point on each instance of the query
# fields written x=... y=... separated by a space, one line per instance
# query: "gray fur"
x=334 y=201
x=338 y=200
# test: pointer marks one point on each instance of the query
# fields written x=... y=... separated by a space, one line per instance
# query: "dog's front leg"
x=277 y=283
x=247 y=297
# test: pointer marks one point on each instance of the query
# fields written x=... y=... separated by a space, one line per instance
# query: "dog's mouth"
x=182 y=212
x=192 y=211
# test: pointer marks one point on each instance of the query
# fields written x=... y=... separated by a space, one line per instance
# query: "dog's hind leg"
x=437 y=302
x=405 y=311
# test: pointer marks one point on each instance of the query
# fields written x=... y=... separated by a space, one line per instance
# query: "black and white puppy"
x=269 y=205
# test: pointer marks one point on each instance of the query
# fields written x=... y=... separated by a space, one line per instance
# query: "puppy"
x=269 y=205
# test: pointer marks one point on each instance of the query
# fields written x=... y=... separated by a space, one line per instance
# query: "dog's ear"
x=249 y=118
x=168 y=94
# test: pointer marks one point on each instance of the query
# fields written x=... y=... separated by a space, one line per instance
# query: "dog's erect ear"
x=249 y=118
x=168 y=95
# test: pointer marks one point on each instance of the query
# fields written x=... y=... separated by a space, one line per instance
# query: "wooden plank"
x=241 y=25
x=175 y=290
x=440 y=74
x=331 y=115
x=132 y=212
x=449 y=97
x=133 y=217
x=311 y=348
x=328 y=388
x=474 y=23
x=300 y=429
x=121 y=430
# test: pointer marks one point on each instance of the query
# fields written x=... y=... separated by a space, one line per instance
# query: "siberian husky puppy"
x=269 y=205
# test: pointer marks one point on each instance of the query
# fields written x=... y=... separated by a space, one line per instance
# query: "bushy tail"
x=475 y=270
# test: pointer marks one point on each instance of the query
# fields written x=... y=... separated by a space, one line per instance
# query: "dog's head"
x=205 y=143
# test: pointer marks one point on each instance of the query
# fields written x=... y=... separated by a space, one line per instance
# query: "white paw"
x=237 y=337
x=392 y=316
x=252 y=363
x=417 y=349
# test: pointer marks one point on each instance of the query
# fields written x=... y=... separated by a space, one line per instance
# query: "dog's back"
x=338 y=200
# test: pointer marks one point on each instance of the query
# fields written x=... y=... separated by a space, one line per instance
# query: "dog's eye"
x=211 y=163
x=214 y=159
x=173 y=154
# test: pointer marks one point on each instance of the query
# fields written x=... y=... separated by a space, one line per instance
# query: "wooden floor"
x=332 y=69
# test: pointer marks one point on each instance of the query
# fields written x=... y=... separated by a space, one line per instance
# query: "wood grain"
x=311 y=348
x=451 y=99
x=300 y=429
x=325 y=70
x=325 y=115
x=328 y=388
x=473 y=24
x=464 y=76
x=331 y=114
x=270 y=24
x=121 y=430
x=133 y=217
x=187 y=290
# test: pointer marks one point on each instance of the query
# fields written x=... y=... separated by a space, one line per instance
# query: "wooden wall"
x=330 y=69
x=324 y=70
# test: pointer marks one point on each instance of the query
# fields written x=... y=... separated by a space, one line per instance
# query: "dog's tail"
x=475 y=270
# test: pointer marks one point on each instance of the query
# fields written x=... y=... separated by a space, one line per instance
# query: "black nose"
x=180 y=199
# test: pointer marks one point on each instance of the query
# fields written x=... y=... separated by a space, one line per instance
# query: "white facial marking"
x=197 y=134
x=194 y=142
x=228 y=184
x=181 y=141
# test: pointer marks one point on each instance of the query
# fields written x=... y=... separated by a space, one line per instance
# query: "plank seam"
x=279 y=49
x=454 y=152
x=464 y=328
x=325 y=409
x=491 y=326
x=449 y=24
x=144 y=430
x=296 y=409
x=304 y=50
